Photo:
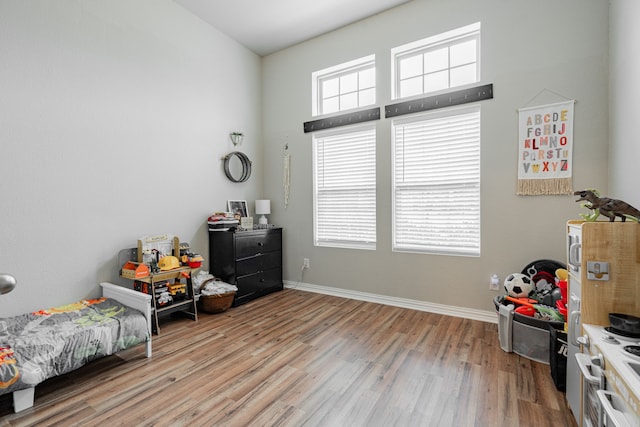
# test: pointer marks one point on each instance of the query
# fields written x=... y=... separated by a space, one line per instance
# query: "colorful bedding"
x=41 y=345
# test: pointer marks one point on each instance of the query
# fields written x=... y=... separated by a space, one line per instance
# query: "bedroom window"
x=344 y=181
x=436 y=182
x=437 y=63
x=344 y=87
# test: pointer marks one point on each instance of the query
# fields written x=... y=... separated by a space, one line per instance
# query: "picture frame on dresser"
x=238 y=207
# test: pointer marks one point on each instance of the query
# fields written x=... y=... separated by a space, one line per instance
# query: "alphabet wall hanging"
x=545 y=153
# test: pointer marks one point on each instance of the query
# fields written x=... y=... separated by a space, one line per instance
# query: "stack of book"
x=222 y=222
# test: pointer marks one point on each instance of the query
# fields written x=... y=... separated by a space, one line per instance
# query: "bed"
x=47 y=343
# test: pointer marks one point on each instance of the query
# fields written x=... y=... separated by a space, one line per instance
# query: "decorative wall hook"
x=236 y=137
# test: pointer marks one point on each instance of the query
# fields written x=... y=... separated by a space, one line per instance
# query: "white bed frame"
x=133 y=299
x=23 y=399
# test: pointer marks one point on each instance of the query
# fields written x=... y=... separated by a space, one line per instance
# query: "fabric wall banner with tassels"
x=545 y=154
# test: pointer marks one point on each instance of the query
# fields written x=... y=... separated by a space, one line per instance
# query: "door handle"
x=607 y=400
x=574 y=324
x=574 y=262
x=586 y=365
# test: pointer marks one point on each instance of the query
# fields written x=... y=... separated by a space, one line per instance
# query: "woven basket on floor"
x=215 y=303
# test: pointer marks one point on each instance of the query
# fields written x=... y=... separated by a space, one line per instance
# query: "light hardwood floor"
x=296 y=358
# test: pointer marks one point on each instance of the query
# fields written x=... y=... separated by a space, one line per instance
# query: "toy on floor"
x=518 y=285
x=546 y=312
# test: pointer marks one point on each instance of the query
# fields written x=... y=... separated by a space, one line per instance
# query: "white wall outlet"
x=494 y=283
x=305 y=263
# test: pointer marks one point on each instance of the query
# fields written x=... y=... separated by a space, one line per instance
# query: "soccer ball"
x=518 y=285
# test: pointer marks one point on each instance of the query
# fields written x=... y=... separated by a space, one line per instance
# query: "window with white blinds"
x=436 y=182
x=345 y=187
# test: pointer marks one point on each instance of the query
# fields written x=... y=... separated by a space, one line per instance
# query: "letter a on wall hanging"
x=545 y=140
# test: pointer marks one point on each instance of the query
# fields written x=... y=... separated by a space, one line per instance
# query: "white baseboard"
x=449 y=310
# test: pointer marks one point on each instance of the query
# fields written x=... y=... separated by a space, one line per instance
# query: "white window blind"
x=345 y=187
x=436 y=194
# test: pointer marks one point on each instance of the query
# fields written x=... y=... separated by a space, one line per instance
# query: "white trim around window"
x=437 y=63
x=344 y=87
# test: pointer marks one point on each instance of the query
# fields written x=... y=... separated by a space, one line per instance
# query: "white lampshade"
x=263 y=207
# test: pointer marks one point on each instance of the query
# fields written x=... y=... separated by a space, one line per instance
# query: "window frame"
x=347 y=68
x=420 y=47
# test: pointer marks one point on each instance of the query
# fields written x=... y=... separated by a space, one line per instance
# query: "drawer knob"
x=260 y=244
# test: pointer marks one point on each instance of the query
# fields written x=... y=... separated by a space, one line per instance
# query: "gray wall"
x=114 y=116
x=528 y=49
x=624 y=98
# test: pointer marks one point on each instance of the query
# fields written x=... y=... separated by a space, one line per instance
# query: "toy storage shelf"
x=147 y=284
x=186 y=307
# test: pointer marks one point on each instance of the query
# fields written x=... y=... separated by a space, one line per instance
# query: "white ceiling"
x=266 y=26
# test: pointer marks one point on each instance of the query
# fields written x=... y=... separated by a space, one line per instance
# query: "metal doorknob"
x=7 y=283
x=583 y=340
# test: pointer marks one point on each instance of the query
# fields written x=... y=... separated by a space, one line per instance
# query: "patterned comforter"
x=40 y=345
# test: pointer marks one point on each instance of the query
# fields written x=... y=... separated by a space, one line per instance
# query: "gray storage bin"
x=531 y=342
x=527 y=336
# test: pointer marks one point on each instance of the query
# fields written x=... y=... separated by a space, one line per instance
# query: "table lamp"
x=263 y=207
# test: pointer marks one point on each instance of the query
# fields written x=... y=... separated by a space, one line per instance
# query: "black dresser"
x=251 y=260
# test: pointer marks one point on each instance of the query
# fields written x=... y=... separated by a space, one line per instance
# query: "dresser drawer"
x=258 y=284
x=252 y=244
x=262 y=279
x=259 y=262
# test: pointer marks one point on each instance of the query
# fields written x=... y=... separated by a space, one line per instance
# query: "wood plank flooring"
x=296 y=358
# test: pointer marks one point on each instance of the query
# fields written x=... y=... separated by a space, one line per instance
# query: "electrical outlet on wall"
x=305 y=263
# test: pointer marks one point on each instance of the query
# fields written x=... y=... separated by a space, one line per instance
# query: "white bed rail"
x=133 y=299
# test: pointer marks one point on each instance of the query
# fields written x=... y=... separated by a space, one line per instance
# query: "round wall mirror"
x=237 y=166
